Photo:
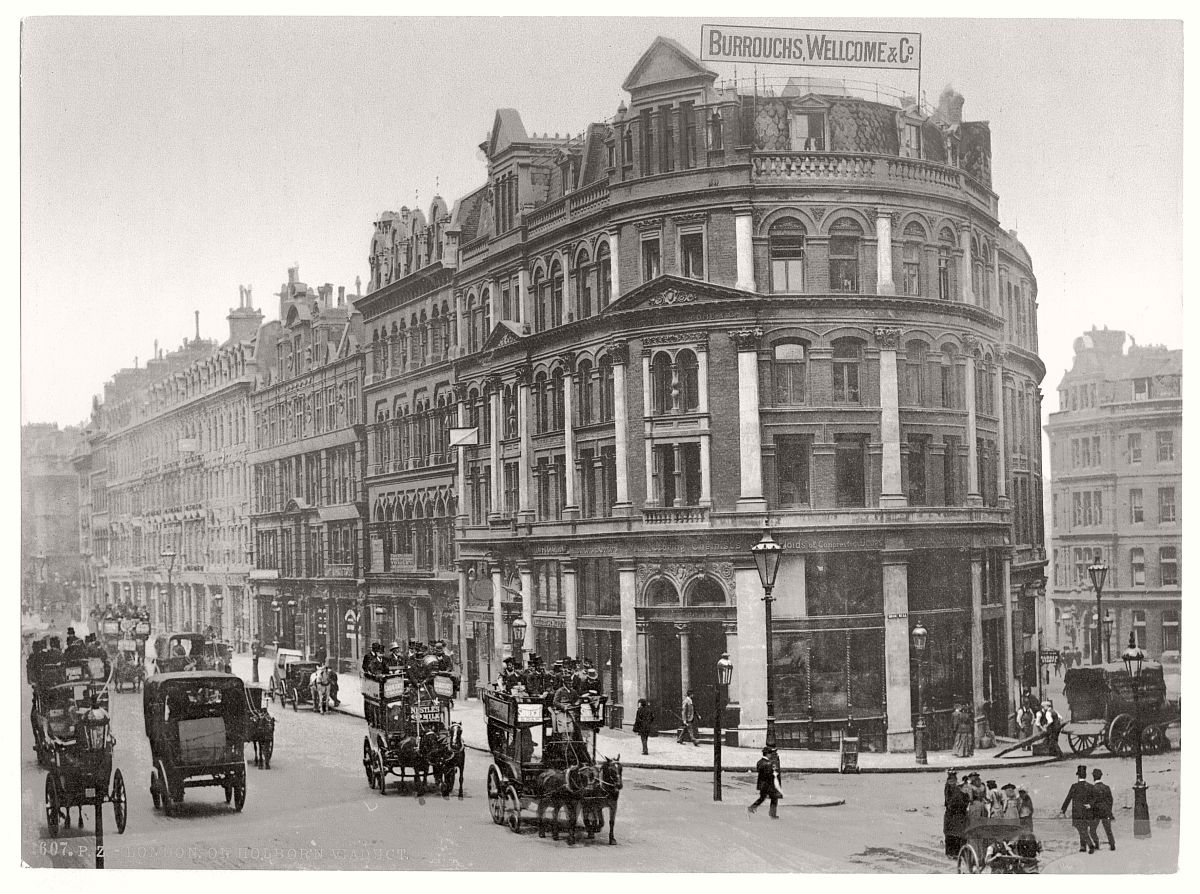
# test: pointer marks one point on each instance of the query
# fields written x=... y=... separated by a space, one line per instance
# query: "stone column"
x=643 y=658
x=751 y=657
x=497 y=615
x=750 y=432
x=460 y=322
x=614 y=246
x=571 y=509
x=460 y=394
x=632 y=680
x=895 y=648
x=1001 y=434
x=974 y=498
x=682 y=630
x=524 y=314
x=570 y=592
x=883 y=253
x=968 y=291
x=981 y=727
x=525 y=464
x=702 y=374
x=526 y=572
x=493 y=386
x=743 y=228
x=892 y=493
x=705 y=469
x=1012 y=688
x=619 y=351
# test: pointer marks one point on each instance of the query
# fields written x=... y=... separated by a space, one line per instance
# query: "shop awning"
x=338 y=513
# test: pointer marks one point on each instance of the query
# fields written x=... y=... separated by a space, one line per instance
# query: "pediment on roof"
x=810 y=101
x=675 y=291
x=505 y=334
x=666 y=60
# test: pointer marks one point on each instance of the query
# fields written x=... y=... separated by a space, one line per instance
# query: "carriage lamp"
x=920 y=639
x=724 y=678
x=1133 y=658
x=767 y=553
x=95 y=728
x=1097 y=571
x=518 y=637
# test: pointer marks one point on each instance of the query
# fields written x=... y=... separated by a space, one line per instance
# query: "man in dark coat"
x=948 y=791
x=767 y=768
x=643 y=723
x=1079 y=797
x=1102 y=805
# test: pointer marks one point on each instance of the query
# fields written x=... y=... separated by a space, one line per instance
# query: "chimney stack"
x=197 y=313
x=293 y=275
x=341 y=296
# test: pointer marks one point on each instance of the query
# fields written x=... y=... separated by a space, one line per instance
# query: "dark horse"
x=564 y=788
x=608 y=790
x=447 y=757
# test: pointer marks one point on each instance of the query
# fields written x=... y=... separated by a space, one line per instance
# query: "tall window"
x=540 y=301
x=807 y=132
x=556 y=294
x=844 y=240
x=1168 y=566
x=604 y=274
x=1137 y=567
x=660 y=377
x=951 y=477
x=946 y=244
x=786 y=249
x=651 y=258
x=792 y=469
x=587 y=392
x=1166 y=504
x=1139 y=628
x=558 y=403
x=850 y=470
x=915 y=359
x=910 y=274
x=847 y=363
x=606 y=389
x=583 y=285
x=788 y=373
x=1170 y=623
x=1136 y=511
x=918 y=451
x=691 y=255
x=687 y=368
x=1166 y=445
x=948 y=377
x=1135 y=447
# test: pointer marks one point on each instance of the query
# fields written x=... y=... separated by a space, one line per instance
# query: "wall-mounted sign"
x=817 y=47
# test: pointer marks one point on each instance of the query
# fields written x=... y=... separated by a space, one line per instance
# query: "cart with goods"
x=998 y=845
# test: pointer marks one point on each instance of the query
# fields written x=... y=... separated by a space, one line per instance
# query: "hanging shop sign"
x=756 y=44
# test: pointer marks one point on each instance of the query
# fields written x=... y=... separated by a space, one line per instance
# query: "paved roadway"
x=313 y=810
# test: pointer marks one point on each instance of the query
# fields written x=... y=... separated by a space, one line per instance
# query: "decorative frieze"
x=747 y=339
x=618 y=351
x=888 y=337
x=649 y=224
x=670 y=297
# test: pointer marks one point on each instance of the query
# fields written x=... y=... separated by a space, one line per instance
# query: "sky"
x=165 y=162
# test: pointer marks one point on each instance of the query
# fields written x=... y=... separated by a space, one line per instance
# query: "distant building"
x=51 y=554
x=1116 y=460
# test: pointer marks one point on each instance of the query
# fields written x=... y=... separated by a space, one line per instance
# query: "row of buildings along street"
x=714 y=310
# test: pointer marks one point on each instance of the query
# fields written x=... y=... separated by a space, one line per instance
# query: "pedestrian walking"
x=1102 y=805
x=1024 y=723
x=955 y=824
x=643 y=723
x=963 y=725
x=687 y=713
x=1025 y=810
x=1049 y=721
x=1058 y=665
x=1079 y=799
x=767 y=769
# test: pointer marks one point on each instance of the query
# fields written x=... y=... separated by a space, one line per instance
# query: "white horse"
x=318 y=685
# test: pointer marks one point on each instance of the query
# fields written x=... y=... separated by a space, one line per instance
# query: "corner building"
x=1116 y=459
x=716 y=310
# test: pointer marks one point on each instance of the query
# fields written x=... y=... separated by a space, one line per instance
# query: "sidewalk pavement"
x=667 y=754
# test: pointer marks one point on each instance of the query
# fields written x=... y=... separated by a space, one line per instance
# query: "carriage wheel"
x=381 y=773
x=164 y=790
x=367 y=761
x=1083 y=743
x=271 y=689
x=512 y=808
x=119 y=801
x=495 y=796
x=154 y=790
x=968 y=860
x=295 y=699
x=1121 y=734
x=53 y=804
x=239 y=791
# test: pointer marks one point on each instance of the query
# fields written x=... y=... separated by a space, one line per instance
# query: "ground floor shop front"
x=191 y=600
x=655 y=623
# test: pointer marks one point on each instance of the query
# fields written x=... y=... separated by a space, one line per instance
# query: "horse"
x=447 y=757
x=563 y=788
x=318 y=685
x=412 y=753
x=609 y=790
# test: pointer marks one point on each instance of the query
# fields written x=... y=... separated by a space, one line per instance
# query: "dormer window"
x=807 y=131
x=910 y=140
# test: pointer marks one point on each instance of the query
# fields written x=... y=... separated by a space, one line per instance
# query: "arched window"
x=627 y=145
x=436 y=326
x=949 y=377
x=847 y=370
x=916 y=356
x=541 y=401
x=844 y=239
x=910 y=273
x=485 y=317
x=540 y=300
x=786 y=249
x=976 y=271
x=509 y=404
x=606 y=389
x=583 y=284
x=556 y=294
x=687 y=369
x=661 y=591
x=473 y=333
x=789 y=373
x=946 y=245
x=706 y=591
x=558 y=421
x=586 y=405
x=660 y=378
x=604 y=274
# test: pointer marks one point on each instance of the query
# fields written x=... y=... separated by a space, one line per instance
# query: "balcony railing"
x=675 y=515
x=569 y=207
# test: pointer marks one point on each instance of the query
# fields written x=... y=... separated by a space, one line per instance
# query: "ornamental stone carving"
x=460 y=391
x=746 y=339
x=524 y=374
x=669 y=297
x=676 y=338
x=492 y=382
x=971 y=343
x=649 y=223
x=683 y=574
x=567 y=359
x=888 y=337
x=818 y=211
x=618 y=351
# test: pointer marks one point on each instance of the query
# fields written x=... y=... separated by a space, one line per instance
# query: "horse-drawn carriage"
x=79 y=755
x=409 y=727
x=59 y=688
x=998 y=845
x=541 y=756
x=291 y=678
x=260 y=730
x=185 y=651
x=129 y=668
x=1103 y=709
x=196 y=722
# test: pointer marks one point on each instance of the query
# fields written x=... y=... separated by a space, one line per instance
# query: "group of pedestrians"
x=1091 y=806
x=971 y=799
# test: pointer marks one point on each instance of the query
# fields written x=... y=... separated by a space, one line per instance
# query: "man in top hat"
x=1079 y=797
x=394 y=660
x=1102 y=805
x=767 y=770
x=372 y=662
x=444 y=662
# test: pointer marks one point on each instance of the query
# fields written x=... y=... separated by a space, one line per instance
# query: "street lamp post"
x=1109 y=620
x=169 y=555
x=920 y=637
x=767 y=553
x=724 y=676
x=278 y=609
x=1097 y=572
x=518 y=639
x=1133 y=658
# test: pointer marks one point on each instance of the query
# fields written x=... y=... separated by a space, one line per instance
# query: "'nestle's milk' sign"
x=801 y=46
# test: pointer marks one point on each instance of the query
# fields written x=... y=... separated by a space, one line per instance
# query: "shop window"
x=1137 y=567
x=785 y=248
x=793 y=459
x=847 y=365
x=844 y=240
x=789 y=370
x=850 y=470
x=1168 y=566
x=848 y=583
